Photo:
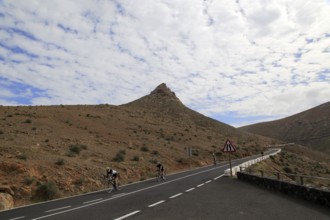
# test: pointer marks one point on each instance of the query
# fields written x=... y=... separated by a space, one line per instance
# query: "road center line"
x=17 y=218
x=93 y=200
x=130 y=193
x=179 y=194
x=128 y=215
x=53 y=210
x=218 y=177
x=208 y=181
x=119 y=195
x=202 y=184
x=191 y=189
x=157 y=203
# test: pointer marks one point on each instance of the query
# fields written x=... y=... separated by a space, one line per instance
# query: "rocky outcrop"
x=6 y=198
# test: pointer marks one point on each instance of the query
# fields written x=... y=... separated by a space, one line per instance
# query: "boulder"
x=6 y=201
x=6 y=189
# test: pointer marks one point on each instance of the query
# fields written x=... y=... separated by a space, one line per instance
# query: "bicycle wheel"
x=108 y=186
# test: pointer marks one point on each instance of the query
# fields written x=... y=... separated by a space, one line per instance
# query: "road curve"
x=202 y=193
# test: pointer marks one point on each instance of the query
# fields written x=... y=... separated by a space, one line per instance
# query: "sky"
x=239 y=62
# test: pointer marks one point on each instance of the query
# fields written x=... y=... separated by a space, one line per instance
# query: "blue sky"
x=239 y=62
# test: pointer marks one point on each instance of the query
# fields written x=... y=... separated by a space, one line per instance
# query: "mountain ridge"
x=310 y=128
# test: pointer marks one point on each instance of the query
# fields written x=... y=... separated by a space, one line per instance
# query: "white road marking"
x=17 y=218
x=128 y=215
x=157 y=203
x=202 y=184
x=53 y=210
x=218 y=177
x=95 y=200
x=179 y=194
x=188 y=190
x=208 y=181
x=119 y=195
x=127 y=194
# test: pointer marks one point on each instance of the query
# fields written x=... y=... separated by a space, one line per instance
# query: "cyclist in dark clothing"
x=161 y=170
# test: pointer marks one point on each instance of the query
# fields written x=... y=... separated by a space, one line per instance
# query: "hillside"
x=309 y=128
x=48 y=152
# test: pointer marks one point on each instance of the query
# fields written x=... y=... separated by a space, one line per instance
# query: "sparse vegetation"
x=120 y=156
x=29 y=180
x=155 y=152
x=160 y=136
x=22 y=156
x=136 y=158
x=28 y=121
x=46 y=191
x=76 y=148
x=59 y=162
x=80 y=181
x=144 y=149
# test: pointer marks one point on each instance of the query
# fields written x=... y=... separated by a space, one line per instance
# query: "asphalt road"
x=202 y=193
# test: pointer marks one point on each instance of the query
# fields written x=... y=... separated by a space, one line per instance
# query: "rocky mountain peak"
x=163 y=90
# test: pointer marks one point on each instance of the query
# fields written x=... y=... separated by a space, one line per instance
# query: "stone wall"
x=310 y=194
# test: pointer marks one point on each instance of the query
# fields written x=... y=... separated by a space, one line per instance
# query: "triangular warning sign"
x=229 y=147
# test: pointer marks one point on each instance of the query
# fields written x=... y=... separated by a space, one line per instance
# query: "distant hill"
x=69 y=146
x=310 y=128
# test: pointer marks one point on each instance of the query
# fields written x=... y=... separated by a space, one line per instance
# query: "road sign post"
x=229 y=148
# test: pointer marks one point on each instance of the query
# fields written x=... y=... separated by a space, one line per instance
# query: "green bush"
x=155 y=152
x=46 y=191
x=28 y=180
x=28 y=121
x=136 y=158
x=144 y=149
x=76 y=148
x=22 y=156
x=120 y=156
x=79 y=181
x=59 y=162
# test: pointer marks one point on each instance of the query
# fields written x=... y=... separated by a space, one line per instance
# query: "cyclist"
x=161 y=170
x=113 y=174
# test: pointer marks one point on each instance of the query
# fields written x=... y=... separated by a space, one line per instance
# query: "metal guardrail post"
x=301 y=180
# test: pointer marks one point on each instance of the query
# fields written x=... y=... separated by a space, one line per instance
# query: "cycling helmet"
x=108 y=169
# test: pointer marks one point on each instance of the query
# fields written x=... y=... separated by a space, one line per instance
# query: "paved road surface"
x=202 y=193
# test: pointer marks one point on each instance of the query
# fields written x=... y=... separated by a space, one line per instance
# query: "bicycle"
x=110 y=184
x=160 y=176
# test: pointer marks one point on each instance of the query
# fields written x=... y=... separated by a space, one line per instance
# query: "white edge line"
x=157 y=203
x=53 y=210
x=95 y=200
x=208 y=181
x=104 y=200
x=191 y=189
x=17 y=218
x=183 y=171
x=179 y=194
x=128 y=215
x=202 y=184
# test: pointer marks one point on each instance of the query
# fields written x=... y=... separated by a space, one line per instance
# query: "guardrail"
x=236 y=169
x=304 y=180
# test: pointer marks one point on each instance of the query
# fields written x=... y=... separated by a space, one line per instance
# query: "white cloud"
x=251 y=59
